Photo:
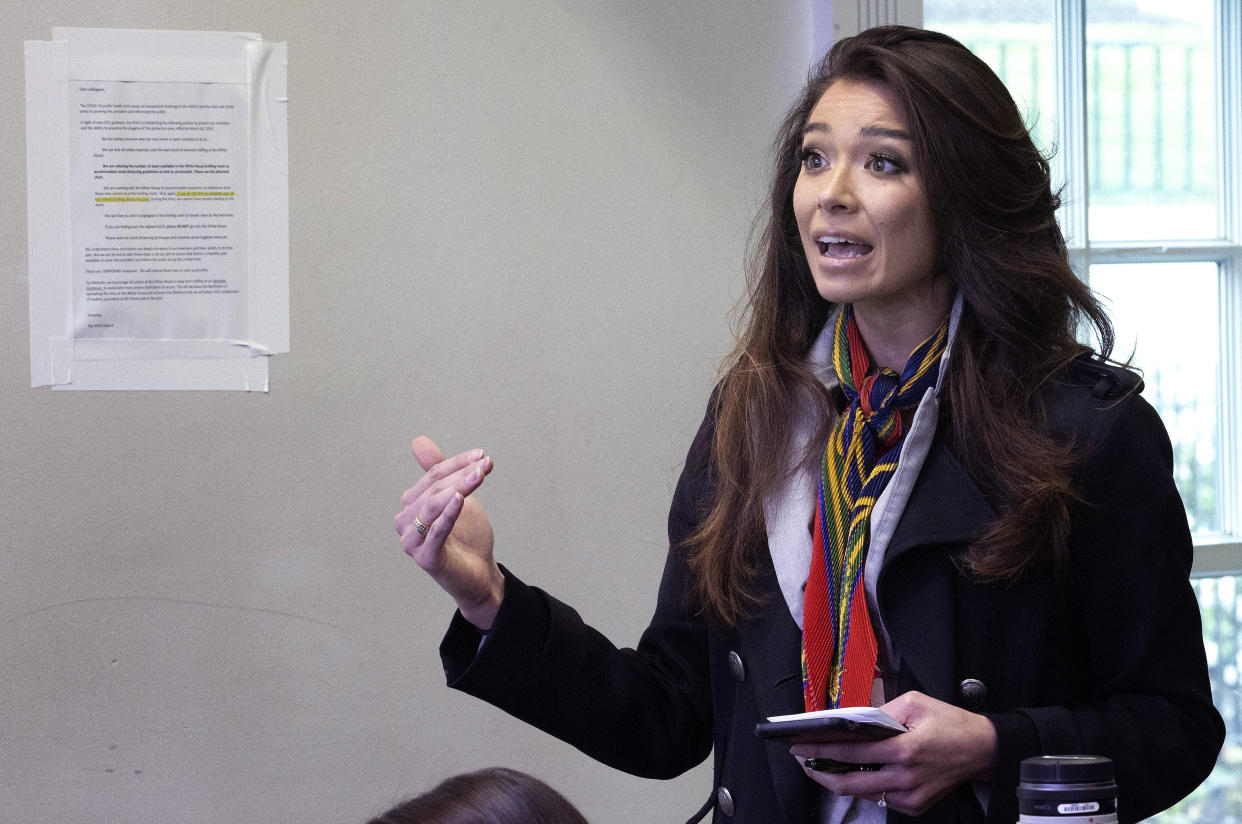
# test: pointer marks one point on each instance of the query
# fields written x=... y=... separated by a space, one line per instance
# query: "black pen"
x=830 y=765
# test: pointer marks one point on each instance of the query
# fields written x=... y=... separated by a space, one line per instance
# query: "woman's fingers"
x=890 y=782
x=443 y=523
x=439 y=517
x=455 y=470
x=432 y=511
x=426 y=452
x=431 y=507
x=868 y=784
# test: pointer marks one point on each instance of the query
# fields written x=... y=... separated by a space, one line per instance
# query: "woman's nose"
x=837 y=191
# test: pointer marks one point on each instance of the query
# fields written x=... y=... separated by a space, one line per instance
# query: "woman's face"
x=863 y=216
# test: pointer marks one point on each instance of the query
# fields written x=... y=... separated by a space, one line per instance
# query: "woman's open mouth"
x=834 y=246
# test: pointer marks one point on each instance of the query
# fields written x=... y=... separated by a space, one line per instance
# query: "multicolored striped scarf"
x=838 y=643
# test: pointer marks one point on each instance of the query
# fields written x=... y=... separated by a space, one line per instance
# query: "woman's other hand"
x=944 y=747
x=454 y=541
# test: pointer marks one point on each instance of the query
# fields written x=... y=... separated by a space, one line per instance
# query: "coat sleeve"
x=1147 y=701
x=647 y=710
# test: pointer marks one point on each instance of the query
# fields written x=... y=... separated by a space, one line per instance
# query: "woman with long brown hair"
x=914 y=489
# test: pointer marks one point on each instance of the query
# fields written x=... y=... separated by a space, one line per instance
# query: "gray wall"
x=518 y=226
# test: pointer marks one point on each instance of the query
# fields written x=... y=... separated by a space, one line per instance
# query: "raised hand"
x=443 y=528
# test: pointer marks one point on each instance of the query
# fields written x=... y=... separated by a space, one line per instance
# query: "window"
x=1142 y=101
x=1140 y=104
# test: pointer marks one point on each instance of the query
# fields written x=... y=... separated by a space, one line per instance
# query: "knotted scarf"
x=838 y=643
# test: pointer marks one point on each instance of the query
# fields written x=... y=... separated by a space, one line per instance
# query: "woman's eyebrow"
x=865 y=131
x=881 y=131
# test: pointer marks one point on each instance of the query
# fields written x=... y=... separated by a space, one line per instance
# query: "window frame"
x=1216 y=553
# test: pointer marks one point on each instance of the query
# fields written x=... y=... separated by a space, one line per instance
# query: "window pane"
x=1014 y=37
x=1166 y=320
x=1151 y=120
x=1219 y=800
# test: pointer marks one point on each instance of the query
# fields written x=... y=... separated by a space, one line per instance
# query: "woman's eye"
x=883 y=164
x=813 y=160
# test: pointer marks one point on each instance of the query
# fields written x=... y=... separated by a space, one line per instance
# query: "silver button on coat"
x=973 y=693
x=724 y=801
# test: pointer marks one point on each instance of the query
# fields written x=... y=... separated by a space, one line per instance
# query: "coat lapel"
x=773 y=643
x=917 y=585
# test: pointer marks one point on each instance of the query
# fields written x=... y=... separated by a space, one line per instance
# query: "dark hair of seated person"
x=496 y=795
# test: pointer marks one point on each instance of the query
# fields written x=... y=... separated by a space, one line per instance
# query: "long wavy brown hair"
x=1022 y=307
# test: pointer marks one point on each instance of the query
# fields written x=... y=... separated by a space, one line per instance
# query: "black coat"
x=1112 y=664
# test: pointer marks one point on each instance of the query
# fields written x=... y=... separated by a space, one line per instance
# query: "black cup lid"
x=1066 y=769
